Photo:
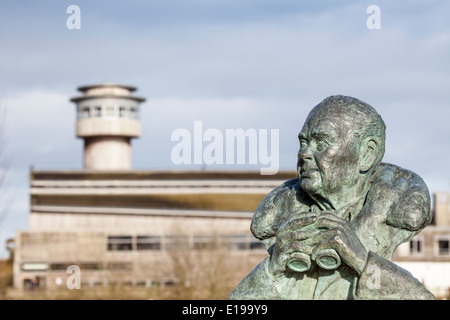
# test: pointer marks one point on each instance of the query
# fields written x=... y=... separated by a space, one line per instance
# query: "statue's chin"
x=309 y=186
x=313 y=188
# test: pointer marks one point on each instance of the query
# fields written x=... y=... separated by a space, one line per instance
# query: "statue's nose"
x=305 y=154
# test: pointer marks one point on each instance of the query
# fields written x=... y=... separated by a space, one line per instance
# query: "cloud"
x=40 y=129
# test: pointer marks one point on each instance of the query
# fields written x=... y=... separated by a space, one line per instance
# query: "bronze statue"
x=331 y=232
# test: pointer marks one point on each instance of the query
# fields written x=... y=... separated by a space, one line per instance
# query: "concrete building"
x=130 y=227
x=122 y=226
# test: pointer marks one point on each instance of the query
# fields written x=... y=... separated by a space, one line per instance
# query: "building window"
x=84 y=112
x=236 y=242
x=134 y=112
x=119 y=266
x=184 y=242
x=97 y=111
x=60 y=266
x=35 y=266
x=173 y=242
x=202 y=242
x=415 y=246
x=148 y=243
x=122 y=112
x=90 y=266
x=443 y=246
x=256 y=245
x=120 y=243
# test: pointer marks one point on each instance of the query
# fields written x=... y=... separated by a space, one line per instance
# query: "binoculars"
x=327 y=259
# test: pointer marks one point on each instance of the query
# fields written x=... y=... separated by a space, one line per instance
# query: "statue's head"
x=341 y=144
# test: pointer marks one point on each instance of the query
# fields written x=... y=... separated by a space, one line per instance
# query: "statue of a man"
x=332 y=231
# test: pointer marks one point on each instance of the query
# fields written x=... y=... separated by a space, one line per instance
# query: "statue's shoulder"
x=276 y=206
x=287 y=188
x=406 y=195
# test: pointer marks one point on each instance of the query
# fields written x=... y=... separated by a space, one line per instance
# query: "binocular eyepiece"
x=327 y=259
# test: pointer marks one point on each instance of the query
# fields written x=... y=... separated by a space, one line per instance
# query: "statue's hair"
x=366 y=120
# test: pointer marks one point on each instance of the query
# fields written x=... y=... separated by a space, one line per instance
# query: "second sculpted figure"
x=331 y=232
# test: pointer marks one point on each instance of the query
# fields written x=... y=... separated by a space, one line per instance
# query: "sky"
x=250 y=64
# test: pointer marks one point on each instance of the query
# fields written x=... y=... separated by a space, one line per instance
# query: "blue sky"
x=259 y=64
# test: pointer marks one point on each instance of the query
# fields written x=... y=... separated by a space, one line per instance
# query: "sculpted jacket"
x=396 y=208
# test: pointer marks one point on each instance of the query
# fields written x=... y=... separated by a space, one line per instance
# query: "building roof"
x=170 y=189
x=105 y=85
x=158 y=175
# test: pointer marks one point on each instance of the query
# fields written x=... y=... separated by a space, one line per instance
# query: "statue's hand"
x=338 y=234
x=292 y=237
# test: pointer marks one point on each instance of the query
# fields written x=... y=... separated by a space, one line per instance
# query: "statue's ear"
x=369 y=153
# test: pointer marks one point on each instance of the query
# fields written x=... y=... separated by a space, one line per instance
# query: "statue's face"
x=328 y=159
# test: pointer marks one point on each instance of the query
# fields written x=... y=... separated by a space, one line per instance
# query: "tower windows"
x=85 y=113
x=108 y=111
x=97 y=111
x=134 y=113
x=122 y=112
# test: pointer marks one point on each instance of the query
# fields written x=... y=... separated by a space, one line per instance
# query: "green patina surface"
x=332 y=231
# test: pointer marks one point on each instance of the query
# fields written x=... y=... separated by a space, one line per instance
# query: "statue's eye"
x=321 y=144
x=303 y=143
